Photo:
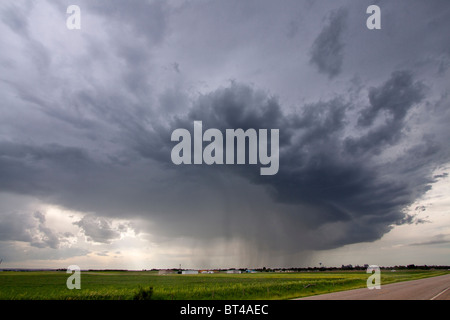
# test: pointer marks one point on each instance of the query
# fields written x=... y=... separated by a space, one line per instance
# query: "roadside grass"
x=113 y=285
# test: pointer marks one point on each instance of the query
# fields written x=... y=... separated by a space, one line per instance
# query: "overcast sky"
x=86 y=118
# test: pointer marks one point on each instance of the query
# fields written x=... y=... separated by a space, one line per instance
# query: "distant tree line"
x=348 y=267
x=354 y=268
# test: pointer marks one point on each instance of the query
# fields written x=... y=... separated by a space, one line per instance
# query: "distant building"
x=189 y=272
x=233 y=271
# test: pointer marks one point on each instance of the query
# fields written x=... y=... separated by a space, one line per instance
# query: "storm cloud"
x=323 y=175
x=31 y=228
x=99 y=229
x=326 y=51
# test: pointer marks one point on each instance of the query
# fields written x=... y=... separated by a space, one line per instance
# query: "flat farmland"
x=124 y=285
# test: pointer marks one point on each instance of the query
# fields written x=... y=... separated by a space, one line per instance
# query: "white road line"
x=439 y=293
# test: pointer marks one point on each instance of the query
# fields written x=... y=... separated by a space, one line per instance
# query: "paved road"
x=435 y=288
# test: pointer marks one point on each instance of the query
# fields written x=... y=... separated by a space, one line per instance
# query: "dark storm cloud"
x=15 y=227
x=396 y=97
x=98 y=229
x=390 y=102
x=29 y=228
x=439 y=176
x=48 y=237
x=327 y=49
x=318 y=168
x=237 y=106
x=35 y=169
x=321 y=182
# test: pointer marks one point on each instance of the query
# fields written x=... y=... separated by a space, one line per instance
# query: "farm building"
x=207 y=271
x=233 y=271
x=189 y=272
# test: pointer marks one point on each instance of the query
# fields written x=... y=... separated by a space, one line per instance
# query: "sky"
x=86 y=118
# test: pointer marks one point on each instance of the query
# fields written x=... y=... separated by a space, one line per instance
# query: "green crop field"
x=108 y=285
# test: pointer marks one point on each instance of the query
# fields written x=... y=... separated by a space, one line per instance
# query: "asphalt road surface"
x=434 y=288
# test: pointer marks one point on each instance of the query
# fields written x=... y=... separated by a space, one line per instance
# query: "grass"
x=51 y=285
